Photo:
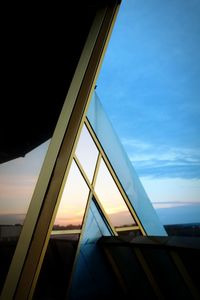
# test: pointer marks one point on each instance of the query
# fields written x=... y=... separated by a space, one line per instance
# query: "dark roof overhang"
x=40 y=49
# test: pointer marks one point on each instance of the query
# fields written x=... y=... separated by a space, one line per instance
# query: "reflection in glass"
x=18 y=178
x=73 y=202
x=17 y=182
x=61 y=250
x=111 y=199
x=87 y=153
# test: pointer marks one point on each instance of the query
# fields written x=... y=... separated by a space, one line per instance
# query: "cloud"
x=165 y=170
x=163 y=161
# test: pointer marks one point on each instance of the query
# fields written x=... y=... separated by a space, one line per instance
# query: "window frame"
x=29 y=254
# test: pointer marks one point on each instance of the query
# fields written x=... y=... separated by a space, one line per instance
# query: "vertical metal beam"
x=35 y=234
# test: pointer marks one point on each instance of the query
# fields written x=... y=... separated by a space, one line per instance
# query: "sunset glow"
x=73 y=200
x=111 y=199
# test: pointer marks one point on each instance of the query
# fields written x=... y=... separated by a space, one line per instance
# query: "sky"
x=18 y=178
x=149 y=85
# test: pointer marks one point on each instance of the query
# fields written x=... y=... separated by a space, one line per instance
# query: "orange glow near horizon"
x=18 y=179
x=73 y=200
x=111 y=199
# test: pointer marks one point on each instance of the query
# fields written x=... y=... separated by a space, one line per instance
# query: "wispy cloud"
x=162 y=160
x=166 y=171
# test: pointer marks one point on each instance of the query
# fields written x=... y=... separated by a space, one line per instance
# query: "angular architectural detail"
x=95 y=178
x=100 y=196
x=110 y=210
x=90 y=231
x=89 y=261
x=61 y=65
x=124 y=169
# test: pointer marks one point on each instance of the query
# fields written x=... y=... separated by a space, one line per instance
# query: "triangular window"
x=93 y=201
x=91 y=172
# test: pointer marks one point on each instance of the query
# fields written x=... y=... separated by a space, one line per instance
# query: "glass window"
x=73 y=202
x=18 y=178
x=87 y=153
x=111 y=199
x=60 y=254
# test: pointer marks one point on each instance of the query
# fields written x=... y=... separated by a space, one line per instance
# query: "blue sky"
x=149 y=85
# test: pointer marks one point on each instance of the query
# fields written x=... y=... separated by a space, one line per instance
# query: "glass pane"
x=87 y=153
x=18 y=178
x=111 y=199
x=60 y=254
x=123 y=168
x=73 y=202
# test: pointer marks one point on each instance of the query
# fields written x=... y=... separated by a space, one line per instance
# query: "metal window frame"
x=92 y=190
x=27 y=260
x=92 y=193
x=102 y=156
x=115 y=178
